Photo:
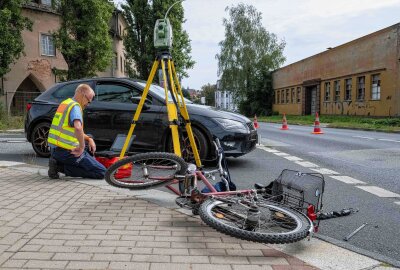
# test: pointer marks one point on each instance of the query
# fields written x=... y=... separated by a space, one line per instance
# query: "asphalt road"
x=370 y=157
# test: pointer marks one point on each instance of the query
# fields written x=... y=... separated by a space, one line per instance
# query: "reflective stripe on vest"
x=60 y=133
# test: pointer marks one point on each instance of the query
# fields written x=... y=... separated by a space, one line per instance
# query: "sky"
x=307 y=26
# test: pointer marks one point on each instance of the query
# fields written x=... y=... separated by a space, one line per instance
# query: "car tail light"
x=28 y=106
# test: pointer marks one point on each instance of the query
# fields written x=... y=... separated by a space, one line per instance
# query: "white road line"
x=380 y=192
x=388 y=140
x=324 y=171
x=280 y=154
x=397 y=203
x=293 y=158
x=362 y=137
x=270 y=150
x=4 y=163
x=347 y=179
x=306 y=164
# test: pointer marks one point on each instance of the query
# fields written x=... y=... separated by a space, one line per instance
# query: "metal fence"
x=19 y=100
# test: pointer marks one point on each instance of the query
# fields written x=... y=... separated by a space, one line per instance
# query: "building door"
x=310 y=100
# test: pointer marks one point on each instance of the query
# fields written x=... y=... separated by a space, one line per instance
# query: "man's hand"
x=77 y=152
x=92 y=145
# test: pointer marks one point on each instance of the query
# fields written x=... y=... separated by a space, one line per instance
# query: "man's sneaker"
x=53 y=169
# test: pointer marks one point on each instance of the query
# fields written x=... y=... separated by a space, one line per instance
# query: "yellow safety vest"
x=60 y=133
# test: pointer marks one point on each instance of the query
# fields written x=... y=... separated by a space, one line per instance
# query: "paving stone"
x=170 y=266
x=150 y=258
x=190 y=259
x=46 y=264
x=130 y=266
x=14 y=263
x=252 y=267
x=70 y=256
x=111 y=257
x=33 y=255
x=87 y=265
x=229 y=260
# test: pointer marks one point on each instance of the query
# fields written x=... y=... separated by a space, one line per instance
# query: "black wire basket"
x=298 y=190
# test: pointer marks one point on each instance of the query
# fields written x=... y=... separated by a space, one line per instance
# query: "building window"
x=282 y=96
x=287 y=96
x=348 y=89
x=337 y=90
x=298 y=94
x=376 y=87
x=293 y=96
x=278 y=97
x=327 y=91
x=361 y=88
x=122 y=64
x=47 y=45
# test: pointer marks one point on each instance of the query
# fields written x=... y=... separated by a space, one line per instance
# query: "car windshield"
x=160 y=92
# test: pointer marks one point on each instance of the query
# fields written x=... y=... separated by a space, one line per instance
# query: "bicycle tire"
x=298 y=229
x=148 y=170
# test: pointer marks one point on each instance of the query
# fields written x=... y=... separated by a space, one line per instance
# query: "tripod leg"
x=139 y=108
x=185 y=114
x=173 y=89
x=172 y=116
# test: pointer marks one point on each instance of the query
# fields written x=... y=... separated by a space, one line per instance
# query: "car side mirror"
x=147 y=102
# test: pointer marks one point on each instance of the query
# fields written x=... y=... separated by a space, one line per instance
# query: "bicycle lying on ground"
x=285 y=211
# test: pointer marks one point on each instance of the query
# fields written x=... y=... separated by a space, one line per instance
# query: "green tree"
x=208 y=91
x=186 y=94
x=12 y=23
x=83 y=37
x=248 y=55
x=141 y=16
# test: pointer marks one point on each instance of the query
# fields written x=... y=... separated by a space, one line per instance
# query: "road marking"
x=347 y=179
x=306 y=164
x=4 y=163
x=265 y=148
x=362 y=137
x=293 y=158
x=397 y=203
x=380 y=192
x=280 y=154
x=388 y=140
x=324 y=171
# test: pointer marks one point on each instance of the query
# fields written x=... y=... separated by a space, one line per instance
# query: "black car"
x=112 y=110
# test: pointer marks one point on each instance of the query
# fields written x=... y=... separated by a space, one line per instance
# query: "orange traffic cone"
x=317 y=129
x=284 y=123
x=255 y=122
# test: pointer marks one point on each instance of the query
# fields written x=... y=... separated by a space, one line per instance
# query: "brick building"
x=361 y=77
x=36 y=71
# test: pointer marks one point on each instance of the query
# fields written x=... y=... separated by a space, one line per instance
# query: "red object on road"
x=284 y=123
x=255 y=122
x=317 y=129
x=123 y=172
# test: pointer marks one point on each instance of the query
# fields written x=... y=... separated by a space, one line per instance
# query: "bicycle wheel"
x=263 y=222
x=145 y=170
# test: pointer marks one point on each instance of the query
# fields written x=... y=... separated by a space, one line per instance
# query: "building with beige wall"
x=361 y=77
x=36 y=71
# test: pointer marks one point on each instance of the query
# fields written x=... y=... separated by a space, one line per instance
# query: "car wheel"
x=39 y=139
x=202 y=144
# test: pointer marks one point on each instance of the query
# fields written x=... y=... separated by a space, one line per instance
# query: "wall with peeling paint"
x=376 y=53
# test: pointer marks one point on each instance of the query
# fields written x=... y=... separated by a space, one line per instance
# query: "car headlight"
x=229 y=124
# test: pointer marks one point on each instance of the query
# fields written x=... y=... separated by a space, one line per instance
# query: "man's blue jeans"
x=85 y=166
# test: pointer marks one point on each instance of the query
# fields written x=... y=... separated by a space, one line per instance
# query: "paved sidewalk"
x=84 y=224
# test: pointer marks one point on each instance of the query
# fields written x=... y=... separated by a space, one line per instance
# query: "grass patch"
x=11 y=122
x=356 y=122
